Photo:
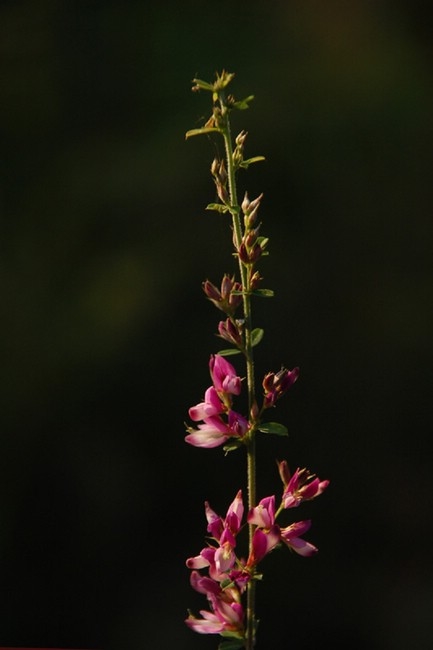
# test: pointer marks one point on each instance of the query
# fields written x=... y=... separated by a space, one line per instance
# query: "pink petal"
x=206 y=437
x=209 y=625
x=212 y=405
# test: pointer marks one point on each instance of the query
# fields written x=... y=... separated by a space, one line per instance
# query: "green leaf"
x=231 y=644
x=202 y=131
x=243 y=104
x=232 y=446
x=229 y=352
x=273 y=427
x=263 y=293
x=246 y=163
x=256 y=336
x=218 y=207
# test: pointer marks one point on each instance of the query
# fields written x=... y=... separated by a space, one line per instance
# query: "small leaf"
x=202 y=131
x=263 y=293
x=256 y=336
x=232 y=446
x=229 y=352
x=273 y=427
x=243 y=104
x=218 y=207
x=246 y=163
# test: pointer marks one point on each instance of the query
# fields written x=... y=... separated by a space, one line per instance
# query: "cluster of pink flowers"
x=228 y=574
x=219 y=421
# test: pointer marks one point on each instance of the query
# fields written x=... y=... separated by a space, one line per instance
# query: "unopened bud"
x=245 y=204
x=276 y=384
x=255 y=280
x=240 y=138
x=222 y=193
x=284 y=472
x=254 y=412
x=214 y=167
x=230 y=331
x=222 y=173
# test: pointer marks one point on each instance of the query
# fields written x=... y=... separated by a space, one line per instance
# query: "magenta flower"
x=267 y=534
x=212 y=405
x=291 y=537
x=220 y=560
x=224 y=617
x=220 y=528
x=264 y=541
x=215 y=432
x=276 y=384
x=263 y=515
x=302 y=486
x=224 y=376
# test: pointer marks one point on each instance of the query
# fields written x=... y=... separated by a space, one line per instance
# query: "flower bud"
x=276 y=384
x=230 y=331
x=255 y=280
x=284 y=472
x=214 y=167
x=240 y=138
x=224 y=298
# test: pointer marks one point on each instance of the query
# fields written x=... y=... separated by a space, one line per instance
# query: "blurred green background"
x=106 y=334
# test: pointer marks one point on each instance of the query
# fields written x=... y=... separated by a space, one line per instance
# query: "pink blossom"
x=224 y=376
x=220 y=560
x=212 y=405
x=224 y=617
x=291 y=537
x=263 y=542
x=263 y=515
x=215 y=432
x=204 y=584
x=232 y=522
x=267 y=534
x=302 y=486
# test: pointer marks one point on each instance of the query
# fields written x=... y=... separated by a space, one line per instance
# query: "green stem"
x=245 y=279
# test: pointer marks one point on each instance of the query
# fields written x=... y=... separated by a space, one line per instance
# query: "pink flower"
x=291 y=537
x=264 y=541
x=263 y=515
x=218 y=527
x=212 y=405
x=220 y=560
x=302 y=486
x=224 y=376
x=215 y=432
x=224 y=617
x=267 y=534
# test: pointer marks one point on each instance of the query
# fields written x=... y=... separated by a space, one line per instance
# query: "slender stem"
x=251 y=453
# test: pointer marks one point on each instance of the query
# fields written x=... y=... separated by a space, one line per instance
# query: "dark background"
x=106 y=334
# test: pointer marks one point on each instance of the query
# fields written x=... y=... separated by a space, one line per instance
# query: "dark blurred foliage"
x=106 y=334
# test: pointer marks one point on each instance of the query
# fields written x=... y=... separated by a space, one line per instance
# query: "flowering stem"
x=246 y=295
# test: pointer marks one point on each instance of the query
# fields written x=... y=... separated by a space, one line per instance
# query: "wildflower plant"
x=224 y=573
